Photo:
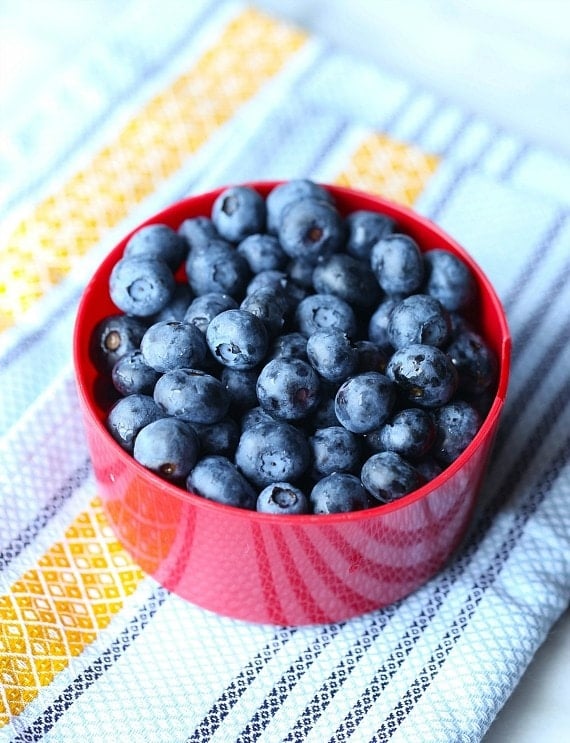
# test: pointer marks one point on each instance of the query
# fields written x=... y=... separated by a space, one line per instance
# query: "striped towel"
x=91 y=648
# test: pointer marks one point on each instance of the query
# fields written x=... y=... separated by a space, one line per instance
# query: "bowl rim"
x=383 y=509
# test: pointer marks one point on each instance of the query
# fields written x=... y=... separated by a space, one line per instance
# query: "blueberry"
x=397 y=264
x=456 y=424
x=239 y=211
x=348 y=278
x=263 y=253
x=410 y=433
x=419 y=319
x=282 y=498
x=332 y=354
x=168 y=446
x=280 y=284
x=272 y=451
x=218 y=438
x=113 y=337
x=301 y=270
x=339 y=492
x=365 y=228
x=141 y=286
x=192 y=395
x=177 y=306
x=253 y=416
x=387 y=476
x=204 y=308
x=198 y=232
x=286 y=193
x=364 y=402
x=288 y=389
x=237 y=338
x=173 y=345
x=448 y=279
x=310 y=228
x=240 y=384
x=323 y=311
x=371 y=357
x=131 y=375
x=334 y=449
x=475 y=362
x=324 y=414
x=157 y=241
x=289 y=346
x=216 y=478
x=128 y=415
x=379 y=322
x=424 y=374
x=269 y=307
x=219 y=268
x=428 y=467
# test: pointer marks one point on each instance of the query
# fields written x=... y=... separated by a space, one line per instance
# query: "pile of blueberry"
x=309 y=362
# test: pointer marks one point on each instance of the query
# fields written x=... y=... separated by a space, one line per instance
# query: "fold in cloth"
x=91 y=647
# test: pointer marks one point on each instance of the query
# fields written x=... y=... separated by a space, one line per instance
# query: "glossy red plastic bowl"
x=286 y=569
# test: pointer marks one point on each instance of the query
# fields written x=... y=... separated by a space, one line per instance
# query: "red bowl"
x=286 y=569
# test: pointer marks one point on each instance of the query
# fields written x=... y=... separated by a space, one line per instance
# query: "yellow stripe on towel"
x=250 y=50
x=56 y=608
x=390 y=168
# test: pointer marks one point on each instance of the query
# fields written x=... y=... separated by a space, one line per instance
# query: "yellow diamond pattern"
x=396 y=170
x=170 y=128
x=57 y=608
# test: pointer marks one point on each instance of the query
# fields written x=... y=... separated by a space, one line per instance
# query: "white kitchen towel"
x=90 y=647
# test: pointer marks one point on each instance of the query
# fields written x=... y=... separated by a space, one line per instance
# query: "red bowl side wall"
x=285 y=570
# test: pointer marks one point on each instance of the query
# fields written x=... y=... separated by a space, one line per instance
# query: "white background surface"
x=507 y=60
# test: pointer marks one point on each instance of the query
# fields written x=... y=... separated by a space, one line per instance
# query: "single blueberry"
x=387 y=476
x=280 y=284
x=398 y=264
x=419 y=318
x=324 y=415
x=218 y=438
x=456 y=424
x=428 y=467
x=364 y=402
x=216 y=478
x=332 y=354
x=379 y=322
x=425 y=375
x=448 y=279
x=410 y=433
x=282 y=498
x=239 y=211
x=240 y=384
x=364 y=229
x=173 y=345
x=311 y=228
x=128 y=415
x=348 y=278
x=253 y=416
x=475 y=362
x=289 y=346
x=219 y=268
x=157 y=241
x=339 y=492
x=272 y=451
x=131 y=375
x=322 y=311
x=371 y=357
x=263 y=253
x=300 y=271
x=288 y=389
x=286 y=193
x=192 y=395
x=237 y=338
x=168 y=446
x=204 y=308
x=141 y=286
x=113 y=337
x=269 y=307
x=334 y=449
x=198 y=232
